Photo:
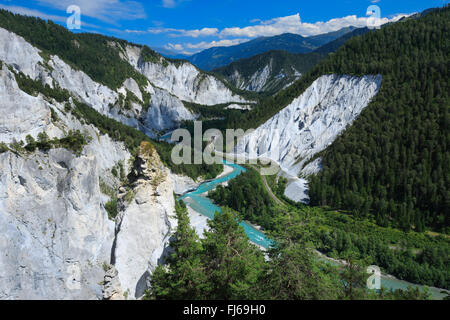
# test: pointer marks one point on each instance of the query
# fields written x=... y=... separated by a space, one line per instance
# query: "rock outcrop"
x=183 y=80
x=55 y=234
x=145 y=222
x=309 y=124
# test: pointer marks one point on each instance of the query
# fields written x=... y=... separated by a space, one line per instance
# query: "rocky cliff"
x=168 y=84
x=145 y=222
x=57 y=241
x=308 y=125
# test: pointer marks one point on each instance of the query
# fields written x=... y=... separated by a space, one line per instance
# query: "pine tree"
x=184 y=277
x=232 y=263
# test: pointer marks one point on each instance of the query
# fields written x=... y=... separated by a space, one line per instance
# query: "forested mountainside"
x=111 y=61
x=217 y=57
x=128 y=83
x=270 y=71
x=273 y=71
x=393 y=163
x=332 y=46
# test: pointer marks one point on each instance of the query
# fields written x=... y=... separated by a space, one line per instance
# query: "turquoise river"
x=198 y=201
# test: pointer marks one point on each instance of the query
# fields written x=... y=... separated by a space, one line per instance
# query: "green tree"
x=232 y=263
x=184 y=277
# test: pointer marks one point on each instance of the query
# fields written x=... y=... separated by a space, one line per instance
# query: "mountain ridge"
x=220 y=56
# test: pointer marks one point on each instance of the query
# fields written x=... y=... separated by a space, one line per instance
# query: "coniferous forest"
x=393 y=163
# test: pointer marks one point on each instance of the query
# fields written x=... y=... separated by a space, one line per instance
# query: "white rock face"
x=264 y=79
x=185 y=81
x=310 y=123
x=55 y=232
x=259 y=78
x=166 y=112
x=55 y=235
x=166 y=109
x=16 y=51
x=182 y=184
x=21 y=114
x=144 y=225
x=131 y=85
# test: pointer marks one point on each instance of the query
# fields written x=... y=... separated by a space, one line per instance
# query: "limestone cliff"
x=145 y=222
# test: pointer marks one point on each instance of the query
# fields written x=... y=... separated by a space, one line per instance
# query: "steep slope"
x=391 y=162
x=52 y=203
x=145 y=223
x=121 y=82
x=57 y=232
x=273 y=71
x=269 y=72
x=59 y=173
x=217 y=57
x=309 y=124
x=180 y=78
x=400 y=145
x=334 y=45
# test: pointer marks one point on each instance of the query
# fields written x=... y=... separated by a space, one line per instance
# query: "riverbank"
x=183 y=184
x=391 y=282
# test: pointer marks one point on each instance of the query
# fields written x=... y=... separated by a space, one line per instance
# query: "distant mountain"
x=337 y=43
x=273 y=71
x=170 y=54
x=221 y=56
x=270 y=71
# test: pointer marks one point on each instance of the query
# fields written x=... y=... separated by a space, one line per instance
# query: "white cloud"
x=293 y=24
x=168 y=3
x=205 y=32
x=221 y=43
x=272 y=27
x=42 y=15
x=171 y=3
x=33 y=13
x=110 y=11
x=190 y=48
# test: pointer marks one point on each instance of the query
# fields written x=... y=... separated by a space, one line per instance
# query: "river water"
x=200 y=203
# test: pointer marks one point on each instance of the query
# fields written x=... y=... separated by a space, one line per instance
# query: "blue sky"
x=189 y=26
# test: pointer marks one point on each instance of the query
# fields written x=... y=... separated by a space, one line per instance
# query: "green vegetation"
x=281 y=62
x=3 y=147
x=34 y=87
x=217 y=111
x=225 y=266
x=246 y=194
x=132 y=139
x=111 y=208
x=412 y=256
x=98 y=56
x=394 y=162
x=149 y=55
x=74 y=141
x=111 y=205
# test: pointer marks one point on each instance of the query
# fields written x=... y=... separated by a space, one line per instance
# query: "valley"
x=96 y=204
